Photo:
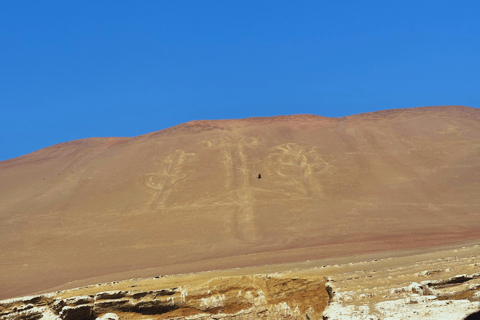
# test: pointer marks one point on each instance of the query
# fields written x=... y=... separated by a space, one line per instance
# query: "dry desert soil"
x=189 y=198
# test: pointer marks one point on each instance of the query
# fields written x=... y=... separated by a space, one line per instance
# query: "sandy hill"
x=188 y=198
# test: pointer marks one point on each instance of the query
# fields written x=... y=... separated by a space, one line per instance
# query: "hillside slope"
x=188 y=198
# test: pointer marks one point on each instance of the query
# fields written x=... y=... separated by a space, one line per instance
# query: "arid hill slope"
x=188 y=198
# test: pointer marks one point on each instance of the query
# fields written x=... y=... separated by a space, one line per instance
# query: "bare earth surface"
x=188 y=198
x=444 y=284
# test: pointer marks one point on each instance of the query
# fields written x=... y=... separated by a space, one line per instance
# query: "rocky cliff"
x=439 y=285
x=248 y=297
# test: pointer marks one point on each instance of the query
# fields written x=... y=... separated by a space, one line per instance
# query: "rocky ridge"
x=440 y=285
x=439 y=299
x=384 y=290
x=248 y=297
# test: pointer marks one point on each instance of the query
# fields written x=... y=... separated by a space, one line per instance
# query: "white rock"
x=109 y=316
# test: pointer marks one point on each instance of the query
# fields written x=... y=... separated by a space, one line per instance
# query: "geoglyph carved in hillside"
x=240 y=194
x=293 y=171
x=298 y=169
x=174 y=169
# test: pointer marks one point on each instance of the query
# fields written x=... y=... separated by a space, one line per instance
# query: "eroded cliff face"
x=247 y=297
x=435 y=285
x=452 y=298
x=443 y=286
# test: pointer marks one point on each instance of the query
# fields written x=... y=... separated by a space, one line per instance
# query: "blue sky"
x=78 y=69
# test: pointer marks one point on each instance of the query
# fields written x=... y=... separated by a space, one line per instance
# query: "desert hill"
x=188 y=198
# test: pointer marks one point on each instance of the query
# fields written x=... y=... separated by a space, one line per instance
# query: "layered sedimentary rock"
x=439 y=285
x=430 y=289
x=249 y=297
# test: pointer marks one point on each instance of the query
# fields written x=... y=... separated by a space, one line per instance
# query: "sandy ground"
x=418 y=284
x=383 y=268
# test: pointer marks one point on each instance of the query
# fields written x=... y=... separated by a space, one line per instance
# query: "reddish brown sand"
x=188 y=198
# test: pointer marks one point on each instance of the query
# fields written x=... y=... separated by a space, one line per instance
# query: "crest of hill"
x=430 y=111
x=199 y=126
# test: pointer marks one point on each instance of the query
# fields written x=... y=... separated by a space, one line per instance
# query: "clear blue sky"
x=78 y=69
